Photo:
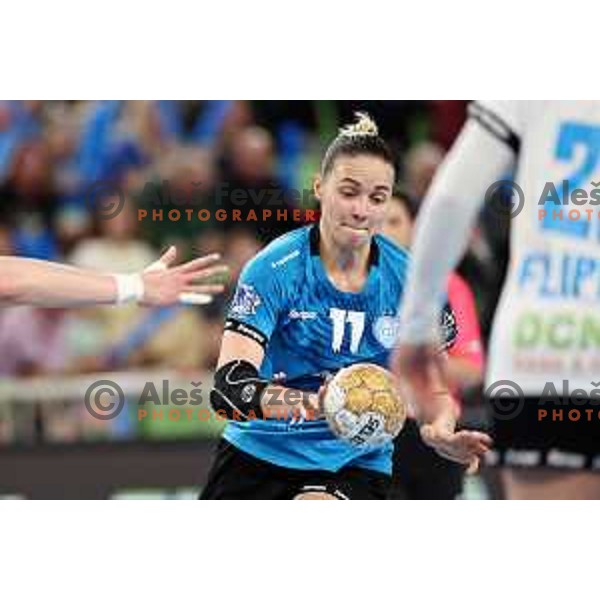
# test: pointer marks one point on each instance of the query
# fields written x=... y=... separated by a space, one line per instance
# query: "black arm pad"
x=237 y=391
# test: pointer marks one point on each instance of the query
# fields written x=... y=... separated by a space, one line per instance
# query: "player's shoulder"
x=284 y=254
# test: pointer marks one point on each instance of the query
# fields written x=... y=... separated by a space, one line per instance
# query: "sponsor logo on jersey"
x=303 y=315
x=285 y=259
x=245 y=301
x=385 y=330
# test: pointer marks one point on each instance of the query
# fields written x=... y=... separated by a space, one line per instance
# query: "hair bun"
x=363 y=126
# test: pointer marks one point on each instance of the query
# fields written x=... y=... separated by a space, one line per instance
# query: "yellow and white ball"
x=363 y=406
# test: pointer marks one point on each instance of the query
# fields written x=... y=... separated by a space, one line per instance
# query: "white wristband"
x=129 y=288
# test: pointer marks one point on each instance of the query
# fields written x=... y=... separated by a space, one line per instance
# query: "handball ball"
x=362 y=405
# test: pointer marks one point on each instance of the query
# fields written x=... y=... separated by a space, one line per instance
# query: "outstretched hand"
x=465 y=447
x=165 y=284
x=421 y=369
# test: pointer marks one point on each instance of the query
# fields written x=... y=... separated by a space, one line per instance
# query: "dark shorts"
x=419 y=472
x=567 y=437
x=236 y=475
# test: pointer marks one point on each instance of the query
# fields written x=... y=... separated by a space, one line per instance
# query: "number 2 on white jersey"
x=575 y=140
x=357 y=326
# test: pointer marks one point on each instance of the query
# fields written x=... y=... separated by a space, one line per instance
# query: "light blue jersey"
x=309 y=328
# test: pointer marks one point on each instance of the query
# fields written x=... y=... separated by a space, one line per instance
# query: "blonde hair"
x=364 y=125
x=360 y=137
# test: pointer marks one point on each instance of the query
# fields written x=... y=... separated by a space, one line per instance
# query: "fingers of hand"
x=203 y=274
x=474 y=441
x=463 y=446
x=198 y=263
x=195 y=298
x=209 y=288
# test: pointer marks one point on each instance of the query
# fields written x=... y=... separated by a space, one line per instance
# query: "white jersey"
x=547 y=324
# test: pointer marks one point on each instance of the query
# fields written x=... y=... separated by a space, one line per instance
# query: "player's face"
x=354 y=197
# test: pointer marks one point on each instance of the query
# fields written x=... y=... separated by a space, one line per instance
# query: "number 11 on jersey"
x=339 y=318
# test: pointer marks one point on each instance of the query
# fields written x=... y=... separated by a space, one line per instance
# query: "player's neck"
x=347 y=268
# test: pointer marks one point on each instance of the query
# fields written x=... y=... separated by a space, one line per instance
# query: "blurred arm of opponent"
x=43 y=283
x=478 y=158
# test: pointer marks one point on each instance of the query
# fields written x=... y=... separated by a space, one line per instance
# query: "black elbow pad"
x=237 y=391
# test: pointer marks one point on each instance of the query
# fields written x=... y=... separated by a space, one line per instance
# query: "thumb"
x=168 y=257
x=428 y=433
x=473 y=467
x=433 y=433
x=164 y=261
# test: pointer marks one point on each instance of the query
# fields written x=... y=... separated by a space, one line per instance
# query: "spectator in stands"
x=117 y=247
x=241 y=247
x=28 y=199
x=183 y=179
x=249 y=183
x=230 y=119
x=33 y=341
x=62 y=133
x=420 y=164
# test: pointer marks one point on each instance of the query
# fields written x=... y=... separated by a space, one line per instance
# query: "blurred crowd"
x=52 y=154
